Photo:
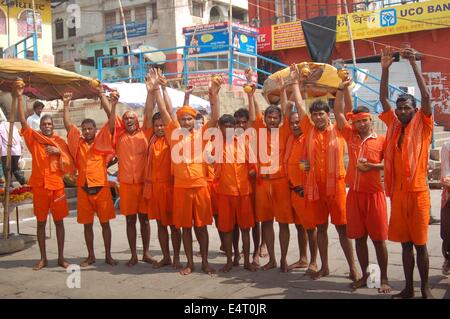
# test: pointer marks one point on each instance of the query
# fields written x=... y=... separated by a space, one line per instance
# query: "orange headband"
x=359 y=116
x=187 y=110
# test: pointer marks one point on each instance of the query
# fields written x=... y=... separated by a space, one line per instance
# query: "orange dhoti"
x=53 y=200
x=410 y=215
x=273 y=201
x=158 y=203
x=192 y=207
x=100 y=203
x=303 y=214
x=330 y=205
x=212 y=192
x=235 y=210
x=367 y=215
x=130 y=198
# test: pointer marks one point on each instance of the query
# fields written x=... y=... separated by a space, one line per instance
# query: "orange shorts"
x=235 y=210
x=53 y=200
x=100 y=203
x=212 y=186
x=303 y=214
x=191 y=207
x=410 y=215
x=130 y=198
x=330 y=205
x=158 y=202
x=367 y=215
x=273 y=201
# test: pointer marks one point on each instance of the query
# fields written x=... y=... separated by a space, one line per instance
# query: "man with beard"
x=93 y=195
x=366 y=202
x=191 y=198
x=405 y=166
x=130 y=142
x=325 y=185
x=51 y=161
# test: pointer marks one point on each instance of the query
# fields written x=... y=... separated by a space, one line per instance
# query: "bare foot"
x=176 y=263
x=222 y=249
x=312 y=268
x=148 y=259
x=207 y=269
x=270 y=265
x=187 y=270
x=40 y=264
x=426 y=293
x=88 y=261
x=250 y=267
x=385 y=288
x=227 y=267
x=284 y=266
x=256 y=260
x=404 y=294
x=63 y=263
x=362 y=282
x=133 y=261
x=353 y=275
x=298 y=264
x=236 y=260
x=162 y=263
x=319 y=274
x=263 y=251
x=110 y=261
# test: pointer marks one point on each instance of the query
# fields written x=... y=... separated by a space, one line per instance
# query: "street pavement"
x=18 y=280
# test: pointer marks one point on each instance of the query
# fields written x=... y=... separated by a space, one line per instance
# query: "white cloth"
x=34 y=121
x=16 y=149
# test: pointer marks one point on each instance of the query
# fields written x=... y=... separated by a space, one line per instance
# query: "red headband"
x=359 y=116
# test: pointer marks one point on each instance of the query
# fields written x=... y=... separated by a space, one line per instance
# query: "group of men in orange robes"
x=300 y=179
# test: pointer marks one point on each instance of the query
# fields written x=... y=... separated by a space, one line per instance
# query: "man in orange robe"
x=130 y=143
x=93 y=195
x=51 y=161
x=192 y=201
x=325 y=185
x=295 y=159
x=408 y=139
x=366 y=202
x=234 y=192
x=158 y=185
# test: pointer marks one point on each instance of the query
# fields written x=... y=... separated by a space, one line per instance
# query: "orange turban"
x=359 y=116
x=186 y=109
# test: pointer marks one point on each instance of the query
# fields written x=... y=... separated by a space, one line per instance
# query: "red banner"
x=265 y=39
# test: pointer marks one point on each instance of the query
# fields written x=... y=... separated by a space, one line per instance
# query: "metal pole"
x=230 y=43
x=8 y=169
x=349 y=30
x=126 y=40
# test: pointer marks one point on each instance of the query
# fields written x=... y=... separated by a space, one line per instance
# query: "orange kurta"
x=410 y=198
x=272 y=190
x=91 y=173
x=192 y=200
x=326 y=205
x=47 y=174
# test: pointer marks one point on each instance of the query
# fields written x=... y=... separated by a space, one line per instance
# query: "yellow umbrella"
x=43 y=81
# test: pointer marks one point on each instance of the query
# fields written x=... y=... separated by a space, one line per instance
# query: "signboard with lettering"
x=134 y=29
x=287 y=35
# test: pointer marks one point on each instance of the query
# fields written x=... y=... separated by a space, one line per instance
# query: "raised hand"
x=215 y=84
x=114 y=97
x=248 y=75
x=18 y=87
x=410 y=54
x=162 y=81
x=346 y=82
x=67 y=97
x=295 y=73
x=387 y=57
x=151 y=80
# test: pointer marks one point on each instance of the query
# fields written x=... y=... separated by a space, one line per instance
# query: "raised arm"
x=286 y=109
x=409 y=53
x=67 y=98
x=17 y=92
x=149 y=104
x=153 y=84
x=299 y=104
x=187 y=94
x=104 y=102
x=386 y=62
x=251 y=104
x=214 y=86
x=167 y=101
x=112 y=115
x=339 y=110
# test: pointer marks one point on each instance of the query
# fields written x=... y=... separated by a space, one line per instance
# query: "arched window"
x=25 y=25
x=214 y=15
x=2 y=22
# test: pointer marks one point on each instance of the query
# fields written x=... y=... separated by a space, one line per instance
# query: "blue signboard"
x=134 y=29
x=244 y=43
x=218 y=41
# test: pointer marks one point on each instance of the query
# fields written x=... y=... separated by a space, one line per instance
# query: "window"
x=72 y=31
x=110 y=19
x=197 y=9
x=26 y=23
x=286 y=10
x=140 y=14
x=97 y=53
x=2 y=23
x=58 y=58
x=126 y=15
x=154 y=11
x=59 y=28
